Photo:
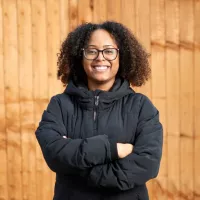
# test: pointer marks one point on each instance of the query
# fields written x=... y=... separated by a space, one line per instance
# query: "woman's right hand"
x=124 y=149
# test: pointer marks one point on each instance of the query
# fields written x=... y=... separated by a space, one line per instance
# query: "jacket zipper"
x=96 y=103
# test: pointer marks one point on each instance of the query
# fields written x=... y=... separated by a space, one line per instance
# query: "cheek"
x=86 y=64
x=115 y=65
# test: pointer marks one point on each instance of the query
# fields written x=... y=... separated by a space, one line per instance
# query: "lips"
x=100 y=68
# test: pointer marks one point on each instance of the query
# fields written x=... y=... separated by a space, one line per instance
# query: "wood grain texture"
x=99 y=11
x=158 y=85
x=64 y=19
x=3 y=138
x=40 y=91
x=173 y=97
x=12 y=105
x=85 y=11
x=142 y=11
x=53 y=45
x=158 y=49
x=128 y=14
x=73 y=14
x=186 y=98
x=28 y=142
x=196 y=100
x=160 y=187
x=114 y=10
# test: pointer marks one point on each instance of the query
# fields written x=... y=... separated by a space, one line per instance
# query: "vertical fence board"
x=99 y=11
x=26 y=100
x=159 y=86
x=197 y=100
x=173 y=130
x=40 y=85
x=186 y=98
x=28 y=150
x=3 y=144
x=143 y=34
x=12 y=100
x=64 y=19
x=113 y=11
x=73 y=14
x=64 y=25
x=128 y=14
x=173 y=87
x=85 y=10
x=158 y=71
x=158 y=48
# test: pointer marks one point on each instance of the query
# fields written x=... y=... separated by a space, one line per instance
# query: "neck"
x=100 y=85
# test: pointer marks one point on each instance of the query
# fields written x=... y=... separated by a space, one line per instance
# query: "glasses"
x=92 y=53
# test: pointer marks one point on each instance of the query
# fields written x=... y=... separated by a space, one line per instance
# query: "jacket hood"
x=86 y=97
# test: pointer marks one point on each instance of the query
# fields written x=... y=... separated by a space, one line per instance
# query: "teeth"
x=101 y=68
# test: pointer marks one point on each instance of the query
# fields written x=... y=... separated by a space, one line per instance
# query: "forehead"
x=101 y=38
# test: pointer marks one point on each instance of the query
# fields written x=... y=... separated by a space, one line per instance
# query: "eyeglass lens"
x=108 y=54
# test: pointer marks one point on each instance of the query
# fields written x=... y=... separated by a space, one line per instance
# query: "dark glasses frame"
x=102 y=51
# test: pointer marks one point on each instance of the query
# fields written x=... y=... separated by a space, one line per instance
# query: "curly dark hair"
x=133 y=62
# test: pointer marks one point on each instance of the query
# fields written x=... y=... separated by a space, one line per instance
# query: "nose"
x=100 y=56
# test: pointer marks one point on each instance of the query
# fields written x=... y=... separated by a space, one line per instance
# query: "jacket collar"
x=86 y=97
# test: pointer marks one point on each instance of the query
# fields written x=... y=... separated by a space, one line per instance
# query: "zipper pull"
x=96 y=103
x=96 y=100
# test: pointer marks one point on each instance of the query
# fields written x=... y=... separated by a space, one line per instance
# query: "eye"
x=91 y=51
x=109 y=51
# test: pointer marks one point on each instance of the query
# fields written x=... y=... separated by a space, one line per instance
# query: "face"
x=100 y=70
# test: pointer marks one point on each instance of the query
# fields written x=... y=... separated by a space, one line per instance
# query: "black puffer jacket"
x=86 y=162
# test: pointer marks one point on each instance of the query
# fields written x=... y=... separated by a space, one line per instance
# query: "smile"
x=100 y=68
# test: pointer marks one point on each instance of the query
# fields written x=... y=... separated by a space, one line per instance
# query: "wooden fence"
x=31 y=32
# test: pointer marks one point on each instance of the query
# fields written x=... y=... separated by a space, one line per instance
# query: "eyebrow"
x=108 y=45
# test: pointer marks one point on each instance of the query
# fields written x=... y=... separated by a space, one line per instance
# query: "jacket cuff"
x=113 y=150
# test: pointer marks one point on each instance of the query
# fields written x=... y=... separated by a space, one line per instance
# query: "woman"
x=103 y=140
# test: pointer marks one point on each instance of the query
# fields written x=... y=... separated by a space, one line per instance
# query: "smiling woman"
x=101 y=68
x=103 y=140
x=132 y=58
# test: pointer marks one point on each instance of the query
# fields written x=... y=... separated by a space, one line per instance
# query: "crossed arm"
x=97 y=158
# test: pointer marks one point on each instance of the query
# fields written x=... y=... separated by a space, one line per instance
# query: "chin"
x=101 y=79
